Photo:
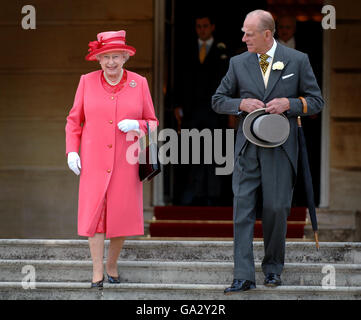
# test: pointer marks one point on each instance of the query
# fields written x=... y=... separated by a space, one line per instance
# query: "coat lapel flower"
x=279 y=65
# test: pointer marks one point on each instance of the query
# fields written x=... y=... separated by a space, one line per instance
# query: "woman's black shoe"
x=113 y=279
x=98 y=284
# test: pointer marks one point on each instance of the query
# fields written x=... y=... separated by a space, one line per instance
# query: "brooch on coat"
x=132 y=84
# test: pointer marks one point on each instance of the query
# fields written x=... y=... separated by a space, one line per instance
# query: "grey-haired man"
x=274 y=77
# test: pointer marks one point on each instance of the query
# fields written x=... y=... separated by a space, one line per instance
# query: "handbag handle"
x=147 y=136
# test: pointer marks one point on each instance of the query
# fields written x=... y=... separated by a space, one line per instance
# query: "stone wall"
x=39 y=73
x=344 y=106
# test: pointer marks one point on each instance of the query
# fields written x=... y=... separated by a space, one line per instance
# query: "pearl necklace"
x=111 y=82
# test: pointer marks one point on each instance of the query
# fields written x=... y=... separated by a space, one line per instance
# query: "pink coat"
x=92 y=123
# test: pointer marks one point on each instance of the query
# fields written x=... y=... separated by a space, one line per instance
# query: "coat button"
x=111 y=121
x=112 y=97
x=110 y=146
x=109 y=170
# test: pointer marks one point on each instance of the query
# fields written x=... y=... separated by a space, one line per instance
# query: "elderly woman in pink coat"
x=110 y=105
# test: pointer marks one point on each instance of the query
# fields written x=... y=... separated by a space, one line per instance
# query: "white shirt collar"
x=271 y=52
x=208 y=42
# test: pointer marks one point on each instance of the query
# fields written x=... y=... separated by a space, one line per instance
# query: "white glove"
x=74 y=162
x=128 y=125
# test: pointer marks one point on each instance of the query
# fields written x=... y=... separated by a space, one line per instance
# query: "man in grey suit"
x=281 y=80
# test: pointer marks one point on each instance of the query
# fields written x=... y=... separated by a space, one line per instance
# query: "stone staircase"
x=168 y=270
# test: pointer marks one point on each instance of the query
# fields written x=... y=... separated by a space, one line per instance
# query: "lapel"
x=275 y=75
x=254 y=71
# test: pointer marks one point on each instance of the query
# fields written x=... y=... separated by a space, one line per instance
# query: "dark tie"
x=263 y=62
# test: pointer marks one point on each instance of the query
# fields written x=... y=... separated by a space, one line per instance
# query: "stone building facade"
x=39 y=73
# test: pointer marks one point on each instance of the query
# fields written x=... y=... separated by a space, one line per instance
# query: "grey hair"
x=266 y=21
x=124 y=53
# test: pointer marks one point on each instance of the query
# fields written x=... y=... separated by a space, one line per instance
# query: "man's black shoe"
x=272 y=280
x=240 y=285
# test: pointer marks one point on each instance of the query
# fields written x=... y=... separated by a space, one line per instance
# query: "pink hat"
x=109 y=41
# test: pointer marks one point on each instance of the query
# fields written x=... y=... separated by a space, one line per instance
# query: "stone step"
x=135 y=291
x=166 y=272
x=330 y=252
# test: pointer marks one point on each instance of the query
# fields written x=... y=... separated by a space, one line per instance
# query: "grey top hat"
x=266 y=130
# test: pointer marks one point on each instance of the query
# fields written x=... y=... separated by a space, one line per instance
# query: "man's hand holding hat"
x=249 y=105
x=278 y=106
x=275 y=106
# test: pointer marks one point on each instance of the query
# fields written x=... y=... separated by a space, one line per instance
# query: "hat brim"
x=92 y=55
x=248 y=133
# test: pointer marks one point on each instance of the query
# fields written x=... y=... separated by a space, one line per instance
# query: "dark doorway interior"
x=228 y=16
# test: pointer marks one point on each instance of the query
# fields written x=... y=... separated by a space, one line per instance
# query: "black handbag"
x=149 y=165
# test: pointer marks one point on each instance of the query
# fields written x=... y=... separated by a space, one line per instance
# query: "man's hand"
x=249 y=105
x=278 y=105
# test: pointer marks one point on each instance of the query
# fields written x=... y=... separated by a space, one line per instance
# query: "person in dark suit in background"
x=204 y=64
x=286 y=28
